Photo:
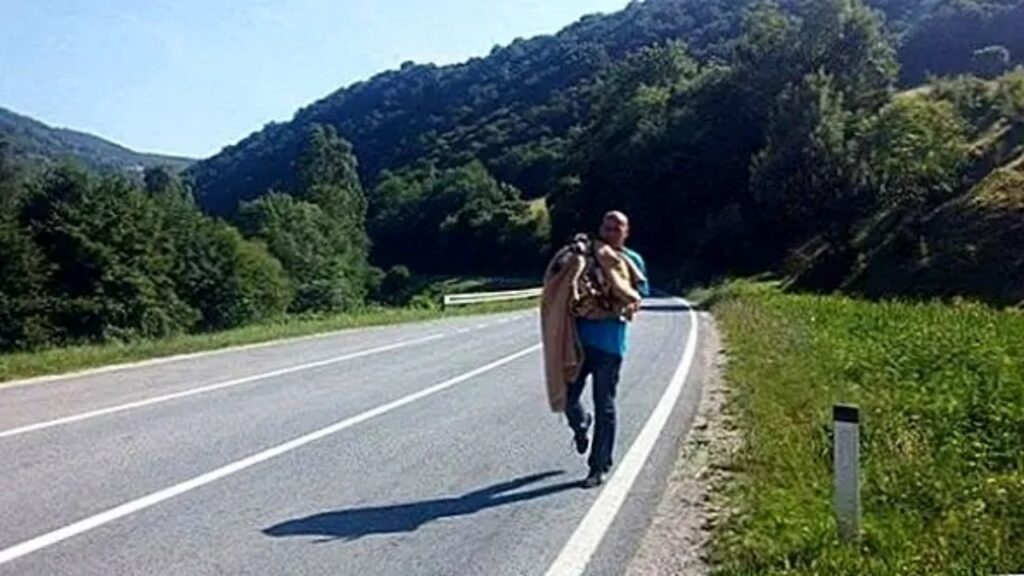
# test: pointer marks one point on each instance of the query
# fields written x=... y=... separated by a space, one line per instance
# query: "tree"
x=328 y=178
x=394 y=286
x=805 y=180
x=620 y=155
x=160 y=182
x=230 y=281
x=846 y=40
x=328 y=272
x=916 y=149
x=24 y=302
x=843 y=39
x=1011 y=91
x=11 y=179
x=112 y=257
x=973 y=99
x=460 y=220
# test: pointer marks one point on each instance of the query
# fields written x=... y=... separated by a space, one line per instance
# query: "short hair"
x=617 y=215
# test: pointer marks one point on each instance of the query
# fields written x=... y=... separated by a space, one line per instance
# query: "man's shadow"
x=354 y=523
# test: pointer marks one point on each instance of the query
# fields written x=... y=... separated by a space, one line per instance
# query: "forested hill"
x=34 y=141
x=513 y=109
x=776 y=139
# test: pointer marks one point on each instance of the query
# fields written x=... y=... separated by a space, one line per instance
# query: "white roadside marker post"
x=846 y=463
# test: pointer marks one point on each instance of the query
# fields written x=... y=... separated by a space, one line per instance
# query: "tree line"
x=799 y=155
x=87 y=257
x=790 y=147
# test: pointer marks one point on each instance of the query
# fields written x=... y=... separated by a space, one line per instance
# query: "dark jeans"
x=604 y=368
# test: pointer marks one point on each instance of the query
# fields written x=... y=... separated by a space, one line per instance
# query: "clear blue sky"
x=191 y=76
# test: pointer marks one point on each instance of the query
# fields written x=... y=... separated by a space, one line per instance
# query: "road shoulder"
x=676 y=542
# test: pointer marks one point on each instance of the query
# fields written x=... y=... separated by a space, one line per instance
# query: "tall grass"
x=941 y=389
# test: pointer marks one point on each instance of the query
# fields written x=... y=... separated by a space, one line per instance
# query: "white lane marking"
x=188 y=356
x=84 y=525
x=212 y=387
x=202 y=354
x=576 y=554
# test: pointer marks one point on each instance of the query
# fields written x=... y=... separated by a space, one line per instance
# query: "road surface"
x=416 y=449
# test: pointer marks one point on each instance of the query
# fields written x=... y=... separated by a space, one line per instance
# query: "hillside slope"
x=32 y=140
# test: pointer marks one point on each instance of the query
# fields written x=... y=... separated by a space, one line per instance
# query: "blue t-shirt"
x=611 y=335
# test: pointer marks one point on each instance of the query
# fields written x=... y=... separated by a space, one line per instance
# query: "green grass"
x=59 y=360
x=941 y=391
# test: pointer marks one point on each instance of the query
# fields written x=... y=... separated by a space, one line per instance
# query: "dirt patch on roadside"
x=676 y=543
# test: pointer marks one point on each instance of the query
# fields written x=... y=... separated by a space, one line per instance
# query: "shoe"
x=593 y=480
x=580 y=438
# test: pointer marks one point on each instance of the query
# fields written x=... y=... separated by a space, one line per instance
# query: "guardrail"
x=483 y=297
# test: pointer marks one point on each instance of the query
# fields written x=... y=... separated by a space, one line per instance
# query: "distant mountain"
x=34 y=141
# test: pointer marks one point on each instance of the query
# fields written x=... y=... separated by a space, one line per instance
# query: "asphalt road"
x=416 y=449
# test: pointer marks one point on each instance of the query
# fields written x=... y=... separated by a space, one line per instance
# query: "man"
x=605 y=344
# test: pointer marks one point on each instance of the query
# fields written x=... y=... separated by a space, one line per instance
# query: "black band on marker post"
x=846 y=413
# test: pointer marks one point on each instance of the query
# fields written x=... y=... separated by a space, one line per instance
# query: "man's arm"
x=638 y=261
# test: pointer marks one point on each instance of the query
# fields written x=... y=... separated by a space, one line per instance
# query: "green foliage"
x=458 y=219
x=230 y=281
x=167 y=185
x=806 y=177
x=723 y=167
x=916 y=149
x=941 y=392
x=328 y=178
x=731 y=131
x=972 y=97
x=973 y=245
x=111 y=256
x=946 y=37
x=846 y=40
x=319 y=234
x=667 y=110
x=24 y=314
x=395 y=286
x=11 y=184
x=326 y=267
x=636 y=108
x=527 y=96
x=1011 y=95
x=87 y=259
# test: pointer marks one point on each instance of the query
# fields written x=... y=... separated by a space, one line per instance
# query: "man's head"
x=615 y=229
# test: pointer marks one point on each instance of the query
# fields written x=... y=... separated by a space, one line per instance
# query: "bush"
x=395 y=287
x=24 y=316
x=229 y=280
x=327 y=267
x=916 y=149
x=111 y=256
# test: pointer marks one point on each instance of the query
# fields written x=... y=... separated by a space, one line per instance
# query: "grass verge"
x=60 y=360
x=941 y=391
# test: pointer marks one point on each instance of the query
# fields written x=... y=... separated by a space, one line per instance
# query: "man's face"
x=615 y=230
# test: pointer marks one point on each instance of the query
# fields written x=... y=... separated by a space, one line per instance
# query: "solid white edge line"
x=86 y=524
x=210 y=388
x=113 y=368
x=574 y=557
